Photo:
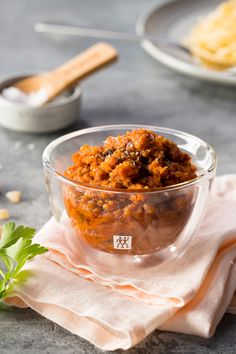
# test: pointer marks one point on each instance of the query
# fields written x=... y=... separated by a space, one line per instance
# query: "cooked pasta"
x=213 y=40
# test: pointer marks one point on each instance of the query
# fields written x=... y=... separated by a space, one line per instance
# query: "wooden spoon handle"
x=77 y=68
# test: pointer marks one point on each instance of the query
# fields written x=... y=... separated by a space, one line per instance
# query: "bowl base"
x=120 y=263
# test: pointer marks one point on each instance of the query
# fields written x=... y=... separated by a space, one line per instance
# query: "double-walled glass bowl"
x=130 y=222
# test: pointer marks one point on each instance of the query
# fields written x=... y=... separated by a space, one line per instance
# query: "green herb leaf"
x=7 y=231
x=7 y=260
x=16 y=248
x=10 y=234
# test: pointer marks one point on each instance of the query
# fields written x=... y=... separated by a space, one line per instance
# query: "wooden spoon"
x=56 y=81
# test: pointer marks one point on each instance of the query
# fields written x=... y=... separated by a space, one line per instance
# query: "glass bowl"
x=130 y=223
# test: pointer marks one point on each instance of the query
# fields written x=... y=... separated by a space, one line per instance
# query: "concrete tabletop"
x=135 y=90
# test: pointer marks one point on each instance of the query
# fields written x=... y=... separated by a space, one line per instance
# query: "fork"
x=104 y=34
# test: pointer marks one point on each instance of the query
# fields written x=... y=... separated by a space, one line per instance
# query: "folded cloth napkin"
x=117 y=310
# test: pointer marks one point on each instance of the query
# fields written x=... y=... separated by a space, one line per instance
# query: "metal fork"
x=103 y=34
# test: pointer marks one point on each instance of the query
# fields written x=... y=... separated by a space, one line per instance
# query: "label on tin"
x=122 y=242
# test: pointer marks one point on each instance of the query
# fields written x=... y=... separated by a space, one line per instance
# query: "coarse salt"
x=33 y=99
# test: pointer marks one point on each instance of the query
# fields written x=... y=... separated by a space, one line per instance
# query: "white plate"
x=175 y=19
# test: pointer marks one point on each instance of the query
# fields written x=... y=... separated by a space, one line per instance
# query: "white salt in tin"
x=53 y=116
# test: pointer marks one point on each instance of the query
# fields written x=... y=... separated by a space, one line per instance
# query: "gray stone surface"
x=135 y=90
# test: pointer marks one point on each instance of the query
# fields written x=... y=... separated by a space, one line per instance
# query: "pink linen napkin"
x=117 y=310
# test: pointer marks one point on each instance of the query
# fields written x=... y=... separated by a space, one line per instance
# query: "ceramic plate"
x=175 y=19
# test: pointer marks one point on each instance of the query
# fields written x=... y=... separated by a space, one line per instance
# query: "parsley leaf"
x=16 y=248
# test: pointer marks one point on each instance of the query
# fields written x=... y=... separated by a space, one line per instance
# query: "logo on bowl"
x=122 y=242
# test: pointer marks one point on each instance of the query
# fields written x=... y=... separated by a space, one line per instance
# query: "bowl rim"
x=204 y=175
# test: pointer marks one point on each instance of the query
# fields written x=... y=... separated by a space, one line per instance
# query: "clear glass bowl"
x=130 y=223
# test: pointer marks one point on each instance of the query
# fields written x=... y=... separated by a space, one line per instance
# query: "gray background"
x=135 y=90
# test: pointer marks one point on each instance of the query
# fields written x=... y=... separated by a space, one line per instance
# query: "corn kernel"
x=14 y=196
x=4 y=214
